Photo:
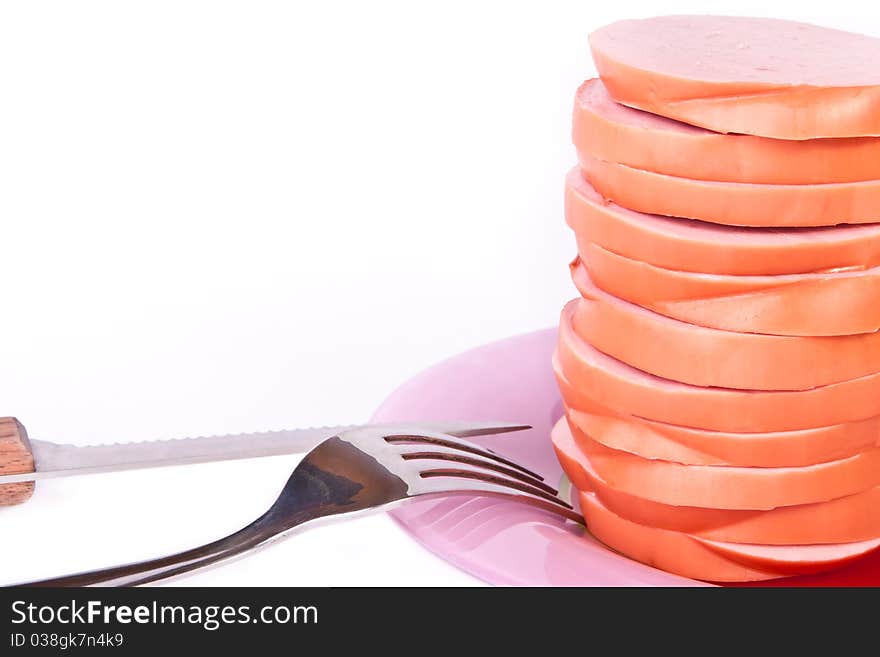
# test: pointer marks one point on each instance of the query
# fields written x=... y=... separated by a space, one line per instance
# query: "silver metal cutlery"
x=357 y=470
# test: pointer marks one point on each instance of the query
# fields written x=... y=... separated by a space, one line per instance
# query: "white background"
x=232 y=216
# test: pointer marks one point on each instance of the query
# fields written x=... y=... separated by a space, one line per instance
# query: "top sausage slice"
x=756 y=76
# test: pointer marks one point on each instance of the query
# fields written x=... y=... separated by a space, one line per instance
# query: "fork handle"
x=15 y=458
x=278 y=520
x=144 y=572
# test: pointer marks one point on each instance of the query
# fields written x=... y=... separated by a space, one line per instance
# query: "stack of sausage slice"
x=721 y=368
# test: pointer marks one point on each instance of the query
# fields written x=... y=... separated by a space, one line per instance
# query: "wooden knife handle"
x=15 y=458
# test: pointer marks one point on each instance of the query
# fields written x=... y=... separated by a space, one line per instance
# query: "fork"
x=356 y=471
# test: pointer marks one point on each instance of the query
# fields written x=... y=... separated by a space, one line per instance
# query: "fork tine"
x=464 y=473
x=462 y=445
x=419 y=453
x=449 y=480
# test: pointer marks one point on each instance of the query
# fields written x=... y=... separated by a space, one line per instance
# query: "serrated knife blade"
x=53 y=460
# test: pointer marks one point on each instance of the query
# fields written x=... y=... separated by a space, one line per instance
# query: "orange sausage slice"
x=669 y=442
x=675 y=551
x=793 y=304
x=846 y=519
x=629 y=390
x=842 y=520
x=607 y=130
x=671 y=551
x=730 y=487
x=755 y=76
x=731 y=203
x=704 y=356
x=639 y=438
x=696 y=246
x=794 y=559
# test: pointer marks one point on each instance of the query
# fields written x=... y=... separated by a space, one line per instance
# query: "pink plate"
x=508 y=543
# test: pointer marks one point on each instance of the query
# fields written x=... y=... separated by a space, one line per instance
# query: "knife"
x=22 y=461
